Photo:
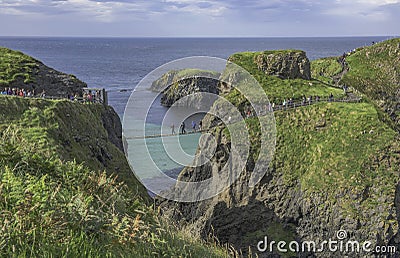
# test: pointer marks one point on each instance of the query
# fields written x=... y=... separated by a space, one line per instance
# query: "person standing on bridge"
x=194 y=126
x=182 y=128
x=173 y=128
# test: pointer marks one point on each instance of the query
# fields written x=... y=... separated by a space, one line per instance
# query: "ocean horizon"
x=119 y=63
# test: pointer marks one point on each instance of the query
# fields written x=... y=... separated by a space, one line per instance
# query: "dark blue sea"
x=118 y=64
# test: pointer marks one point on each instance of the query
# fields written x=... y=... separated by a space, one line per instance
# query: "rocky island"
x=177 y=84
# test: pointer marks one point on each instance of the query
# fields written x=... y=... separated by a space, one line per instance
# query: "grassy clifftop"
x=66 y=189
x=331 y=146
x=278 y=89
x=375 y=72
x=14 y=64
x=18 y=70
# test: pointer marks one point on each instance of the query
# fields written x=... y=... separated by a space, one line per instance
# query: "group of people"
x=17 y=92
x=182 y=127
x=288 y=103
x=304 y=101
x=87 y=97
x=90 y=97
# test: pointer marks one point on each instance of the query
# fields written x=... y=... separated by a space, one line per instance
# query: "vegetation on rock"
x=18 y=70
x=375 y=72
x=336 y=165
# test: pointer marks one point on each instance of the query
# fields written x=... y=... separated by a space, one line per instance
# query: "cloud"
x=250 y=17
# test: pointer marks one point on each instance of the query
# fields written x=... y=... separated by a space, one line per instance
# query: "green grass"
x=329 y=146
x=324 y=69
x=276 y=89
x=375 y=69
x=15 y=65
x=337 y=147
x=58 y=199
x=333 y=148
x=375 y=72
x=333 y=145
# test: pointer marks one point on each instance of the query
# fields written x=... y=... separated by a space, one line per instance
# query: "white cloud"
x=244 y=16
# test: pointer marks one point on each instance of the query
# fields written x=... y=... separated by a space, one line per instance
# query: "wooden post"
x=105 y=97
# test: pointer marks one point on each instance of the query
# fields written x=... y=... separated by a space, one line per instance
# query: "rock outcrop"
x=284 y=64
x=53 y=82
x=175 y=85
x=25 y=72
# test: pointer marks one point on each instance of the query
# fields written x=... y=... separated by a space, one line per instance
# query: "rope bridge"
x=278 y=108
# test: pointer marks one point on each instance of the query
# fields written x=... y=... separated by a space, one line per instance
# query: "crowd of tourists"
x=17 y=92
x=87 y=97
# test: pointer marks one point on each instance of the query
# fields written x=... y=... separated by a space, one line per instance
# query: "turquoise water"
x=156 y=148
x=152 y=156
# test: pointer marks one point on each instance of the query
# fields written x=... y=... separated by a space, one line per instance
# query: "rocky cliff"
x=310 y=190
x=290 y=64
x=178 y=84
x=18 y=70
x=89 y=134
x=67 y=189
x=336 y=167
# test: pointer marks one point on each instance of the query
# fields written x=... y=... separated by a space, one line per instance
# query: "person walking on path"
x=183 y=131
x=331 y=97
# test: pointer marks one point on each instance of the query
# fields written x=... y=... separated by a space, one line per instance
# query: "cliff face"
x=21 y=71
x=309 y=192
x=67 y=188
x=336 y=167
x=89 y=134
x=179 y=84
x=284 y=64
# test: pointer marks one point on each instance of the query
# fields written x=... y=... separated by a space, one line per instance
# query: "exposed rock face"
x=243 y=216
x=53 y=82
x=179 y=84
x=186 y=87
x=284 y=64
x=113 y=126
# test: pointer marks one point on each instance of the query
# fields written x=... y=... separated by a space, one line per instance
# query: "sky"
x=207 y=18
